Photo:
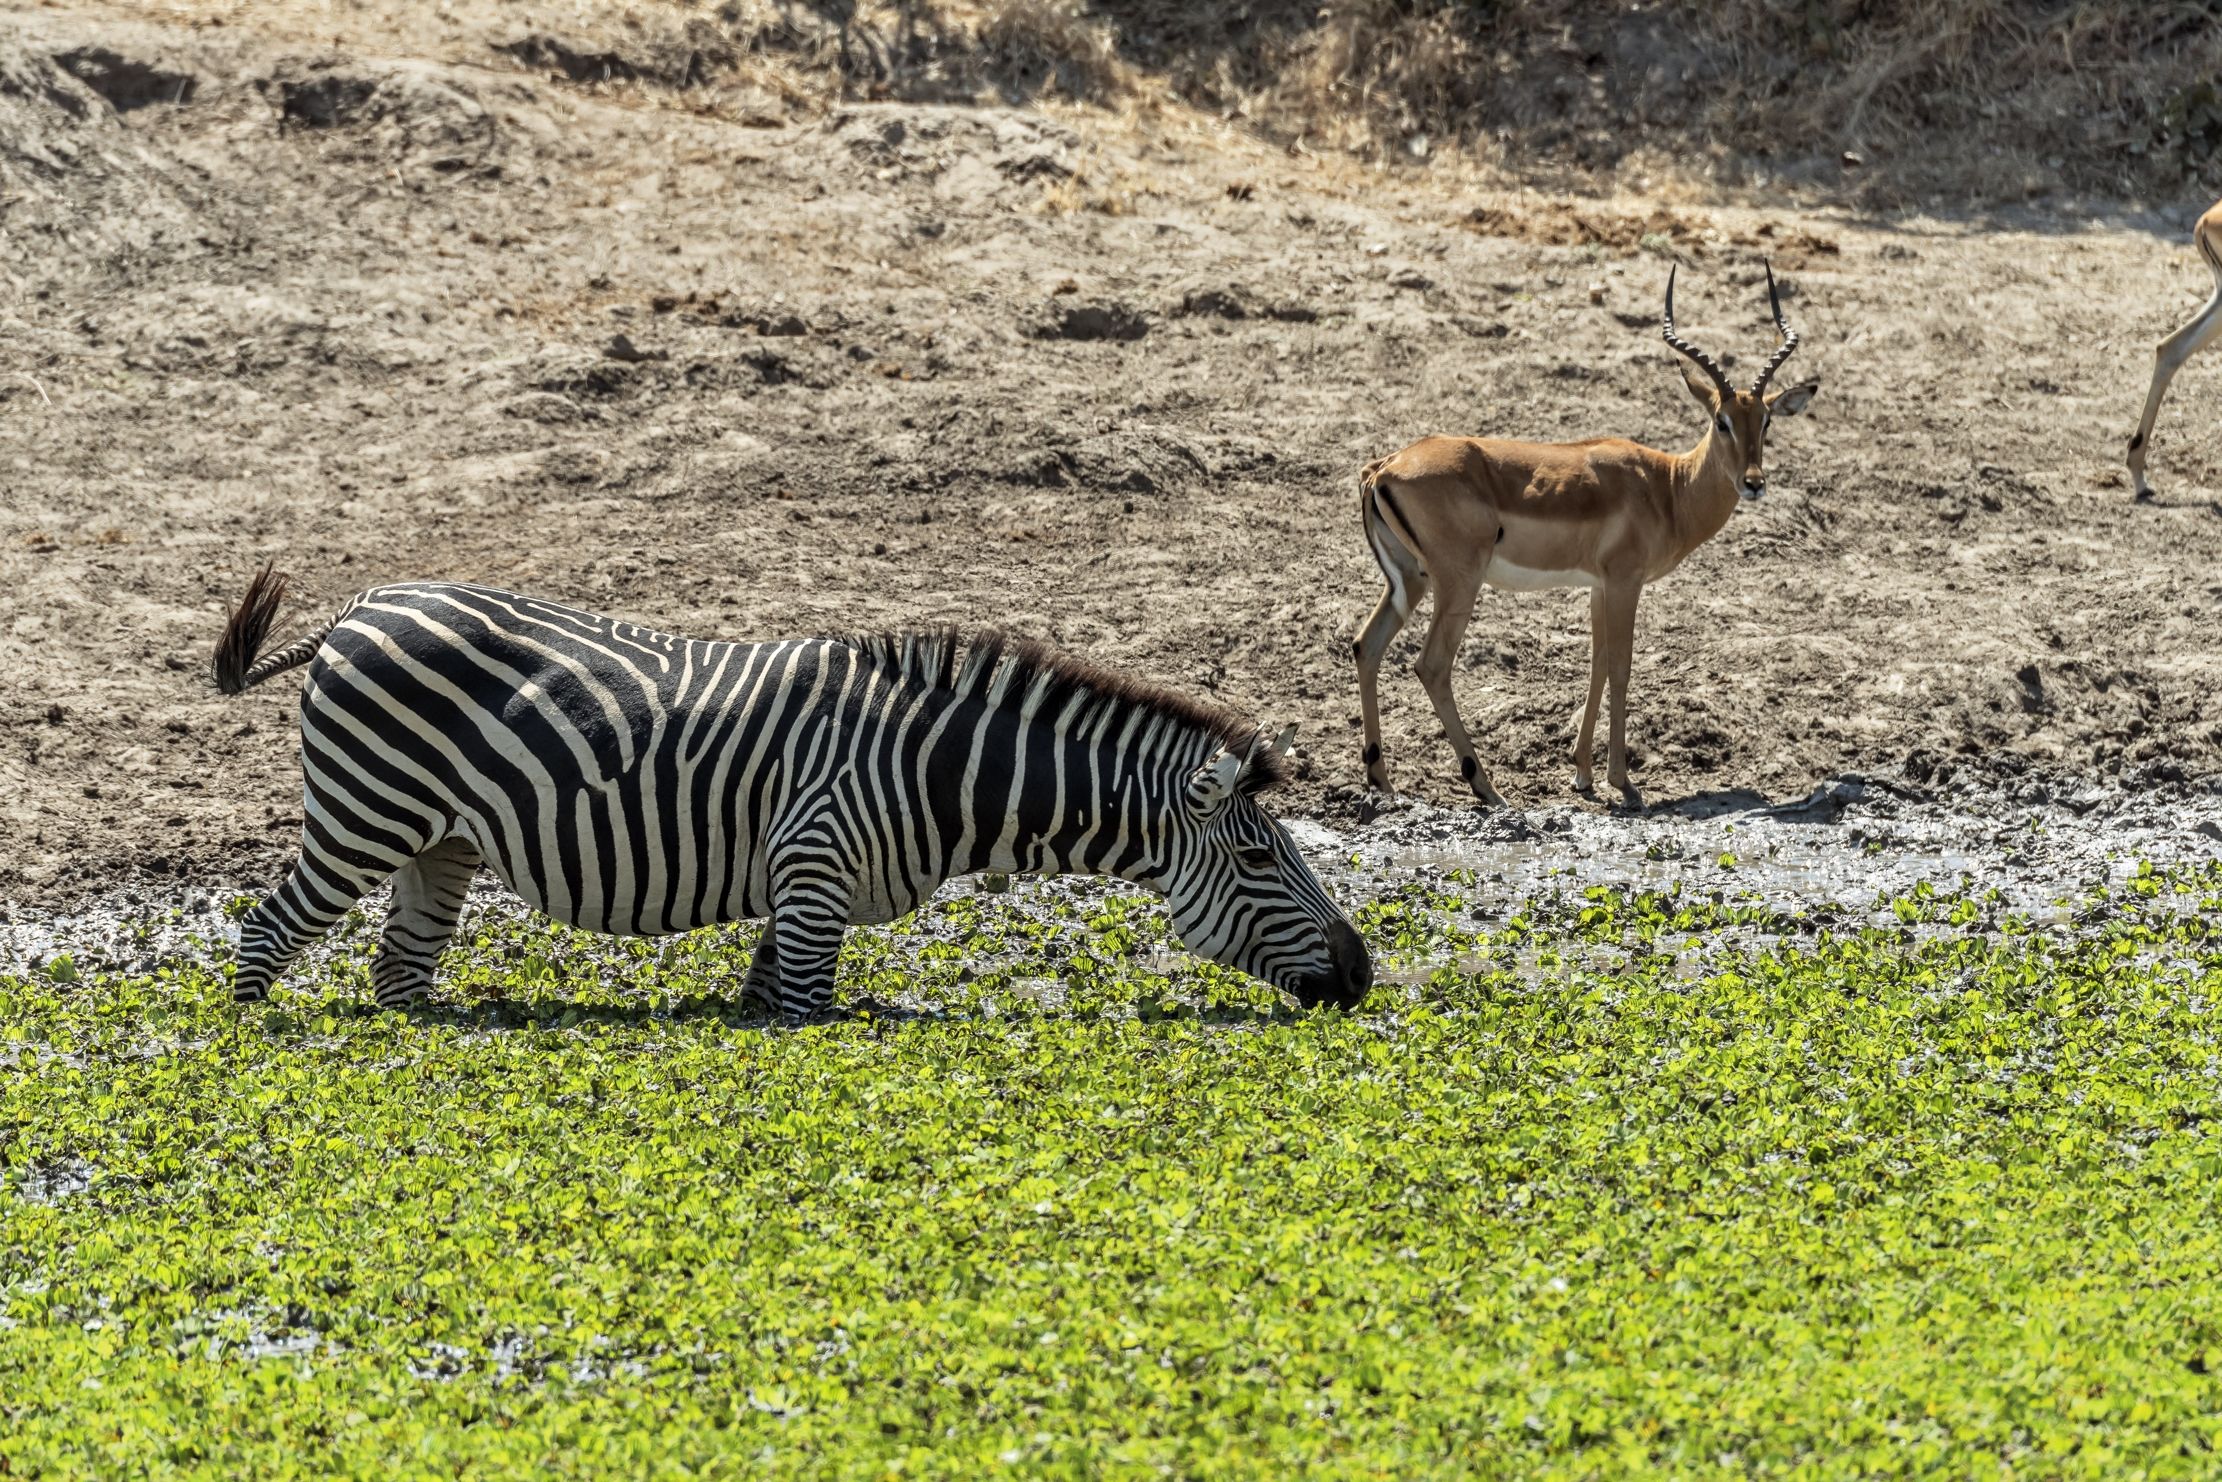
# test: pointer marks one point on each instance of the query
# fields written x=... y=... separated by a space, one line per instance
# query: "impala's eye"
x=1726 y=428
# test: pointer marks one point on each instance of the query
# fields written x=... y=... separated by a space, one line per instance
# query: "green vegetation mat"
x=1628 y=1183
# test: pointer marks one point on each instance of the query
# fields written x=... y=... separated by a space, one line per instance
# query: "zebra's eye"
x=1258 y=859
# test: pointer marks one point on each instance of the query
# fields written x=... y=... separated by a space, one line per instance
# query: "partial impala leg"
x=1454 y=609
x=1616 y=607
x=1407 y=583
x=1599 y=663
x=2168 y=358
x=1387 y=621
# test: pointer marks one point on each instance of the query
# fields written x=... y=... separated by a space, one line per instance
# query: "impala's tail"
x=237 y=668
x=1387 y=536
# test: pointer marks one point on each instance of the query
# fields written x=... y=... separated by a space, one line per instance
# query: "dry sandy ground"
x=350 y=305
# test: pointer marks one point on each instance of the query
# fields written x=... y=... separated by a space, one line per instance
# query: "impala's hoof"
x=1478 y=782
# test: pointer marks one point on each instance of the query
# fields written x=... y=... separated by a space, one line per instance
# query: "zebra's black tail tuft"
x=244 y=634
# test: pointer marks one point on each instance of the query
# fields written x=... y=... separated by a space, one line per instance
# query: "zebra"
x=629 y=781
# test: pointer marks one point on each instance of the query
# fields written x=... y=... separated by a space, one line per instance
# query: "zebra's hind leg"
x=314 y=894
x=427 y=897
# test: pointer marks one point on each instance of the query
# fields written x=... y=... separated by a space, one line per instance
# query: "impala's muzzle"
x=1348 y=978
x=1755 y=484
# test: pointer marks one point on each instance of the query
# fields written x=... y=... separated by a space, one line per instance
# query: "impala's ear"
x=1790 y=402
x=1211 y=784
x=1702 y=387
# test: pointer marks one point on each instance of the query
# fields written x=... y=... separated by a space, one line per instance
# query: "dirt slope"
x=438 y=308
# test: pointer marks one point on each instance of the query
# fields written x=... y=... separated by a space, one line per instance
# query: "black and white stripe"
x=628 y=781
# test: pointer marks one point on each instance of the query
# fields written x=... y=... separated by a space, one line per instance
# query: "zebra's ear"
x=1211 y=784
x=1283 y=743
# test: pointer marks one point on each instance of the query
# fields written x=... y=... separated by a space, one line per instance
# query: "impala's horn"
x=1681 y=346
x=1782 y=327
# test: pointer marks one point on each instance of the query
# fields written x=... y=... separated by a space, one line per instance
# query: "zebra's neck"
x=1087 y=789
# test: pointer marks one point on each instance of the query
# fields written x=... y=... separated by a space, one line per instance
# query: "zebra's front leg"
x=760 y=989
x=805 y=940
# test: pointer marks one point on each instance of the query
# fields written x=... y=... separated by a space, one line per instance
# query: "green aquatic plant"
x=1616 y=1182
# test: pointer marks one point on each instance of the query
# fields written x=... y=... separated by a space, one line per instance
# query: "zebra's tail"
x=237 y=668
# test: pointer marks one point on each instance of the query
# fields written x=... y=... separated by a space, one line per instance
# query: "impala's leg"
x=1454 y=609
x=1387 y=621
x=428 y=895
x=1584 y=779
x=1407 y=583
x=2168 y=358
x=1617 y=608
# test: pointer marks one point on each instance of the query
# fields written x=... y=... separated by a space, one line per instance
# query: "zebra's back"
x=616 y=777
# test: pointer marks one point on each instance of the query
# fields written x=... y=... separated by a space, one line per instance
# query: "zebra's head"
x=1241 y=895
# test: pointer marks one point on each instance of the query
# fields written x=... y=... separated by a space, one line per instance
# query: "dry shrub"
x=1049 y=47
x=1008 y=50
x=1996 y=97
x=1986 y=98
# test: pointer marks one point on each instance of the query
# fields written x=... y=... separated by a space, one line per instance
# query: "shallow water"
x=1844 y=859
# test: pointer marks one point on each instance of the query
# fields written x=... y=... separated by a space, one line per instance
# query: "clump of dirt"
x=388 y=111
x=1107 y=320
x=127 y=82
x=68 y=166
x=1235 y=301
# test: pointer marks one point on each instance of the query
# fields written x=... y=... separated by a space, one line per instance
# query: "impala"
x=1453 y=513
x=2186 y=342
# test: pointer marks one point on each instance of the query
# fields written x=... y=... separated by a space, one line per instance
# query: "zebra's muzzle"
x=1347 y=981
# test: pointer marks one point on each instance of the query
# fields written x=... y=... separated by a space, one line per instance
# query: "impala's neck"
x=1705 y=491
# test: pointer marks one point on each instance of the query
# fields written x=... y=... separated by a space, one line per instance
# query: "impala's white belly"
x=1506 y=577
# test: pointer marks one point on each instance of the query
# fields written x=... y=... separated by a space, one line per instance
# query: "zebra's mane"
x=991 y=662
